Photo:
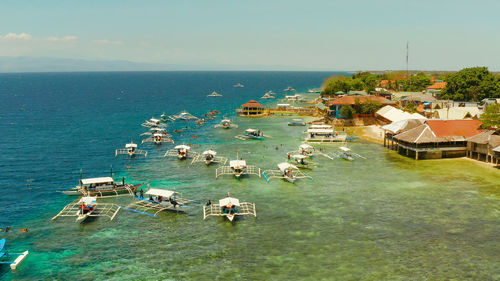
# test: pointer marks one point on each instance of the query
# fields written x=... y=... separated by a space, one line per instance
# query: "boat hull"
x=104 y=192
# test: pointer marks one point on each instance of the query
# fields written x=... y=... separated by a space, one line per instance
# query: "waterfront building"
x=482 y=146
x=251 y=108
x=437 y=139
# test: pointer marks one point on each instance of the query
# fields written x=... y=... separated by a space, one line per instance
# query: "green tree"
x=411 y=108
x=347 y=111
x=471 y=84
x=370 y=107
x=335 y=85
x=491 y=117
x=415 y=83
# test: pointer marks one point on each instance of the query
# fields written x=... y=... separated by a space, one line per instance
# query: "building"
x=390 y=114
x=457 y=113
x=482 y=146
x=437 y=139
x=436 y=88
x=336 y=104
x=251 y=108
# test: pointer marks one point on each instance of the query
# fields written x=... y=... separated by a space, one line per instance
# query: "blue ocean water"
x=386 y=217
x=54 y=124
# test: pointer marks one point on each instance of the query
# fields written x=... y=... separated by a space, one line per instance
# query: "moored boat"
x=102 y=187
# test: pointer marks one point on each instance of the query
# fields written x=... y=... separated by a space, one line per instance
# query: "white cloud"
x=14 y=36
x=62 y=39
x=107 y=42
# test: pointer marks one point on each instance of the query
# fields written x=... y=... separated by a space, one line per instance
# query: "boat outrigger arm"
x=285 y=171
x=5 y=256
x=229 y=207
x=101 y=210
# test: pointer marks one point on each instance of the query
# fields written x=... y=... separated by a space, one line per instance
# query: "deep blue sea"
x=387 y=217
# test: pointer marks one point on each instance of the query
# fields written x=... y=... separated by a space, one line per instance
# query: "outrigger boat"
x=229 y=207
x=226 y=124
x=324 y=133
x=289 y=89
x=299 y=160
x=184 y=115
x=86 y=207
x=268 y=95
x=297 y=122
x=159 y=200
x=153 y=122
x=285 y=171
x=295 y=97
x=159 y=136
x=182 y=152
x=131 y=150
x=214 y=94
x=347 y=154
x=309 y=151
x=6 y=257
x=254 y=134
x=209 y=157
x=237 y=168
x=238 y=85
x=102 y=187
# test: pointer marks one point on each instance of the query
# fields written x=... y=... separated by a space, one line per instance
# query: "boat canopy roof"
x=87 y=200
x=229 y=201
x=182 y=146
x=343 y=148
x=97 y=180
x=324 y=126
x=305 y=146
x=250 y=130
x=157 y=134
x=160 y=192
x=211 y=152
x=237 y=163
x=299 y=156
x=283 y=166
x=157 y=129
x=129 y=145
x=283 y=104
x=321 y=131
x=154 y=120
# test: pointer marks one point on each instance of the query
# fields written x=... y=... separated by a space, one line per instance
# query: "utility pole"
x=407 y=50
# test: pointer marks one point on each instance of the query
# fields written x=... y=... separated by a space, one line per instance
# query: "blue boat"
x=254 y=134
x=6 y=257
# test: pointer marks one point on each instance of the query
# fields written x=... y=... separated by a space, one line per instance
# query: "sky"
x=256 y=34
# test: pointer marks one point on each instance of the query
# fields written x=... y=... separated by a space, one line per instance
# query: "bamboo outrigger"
x=182 y=152
x=86 y=207
x=102 y=187
x=285 y=171
x=229 y=207
x=209 y=157
x=6 y=257
x=237 y=168
x=159 y=200
x=131 y=150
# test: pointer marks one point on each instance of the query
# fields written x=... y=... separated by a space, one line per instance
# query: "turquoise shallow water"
x=384 y=218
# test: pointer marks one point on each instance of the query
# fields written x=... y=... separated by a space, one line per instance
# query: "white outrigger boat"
x=229 y=207
x=297 y=122
x=289 y=89
x=184 y=115
x=159 y=137
x=159 y=200
x=226 y=124
x=209 y=157
x=153 y=122
x=347 y=154
x=268 y=95
x=237 y=168
x=102 y=187
x=6 y=257
x=295 y=97
x=285 y=171
x=214 y=94
x=86 y=207
x=182 y=152
x=299 y=160
x=251 y=134
x=309 y=151
x=324 y=133
x=131 y=150
x=238 y=85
